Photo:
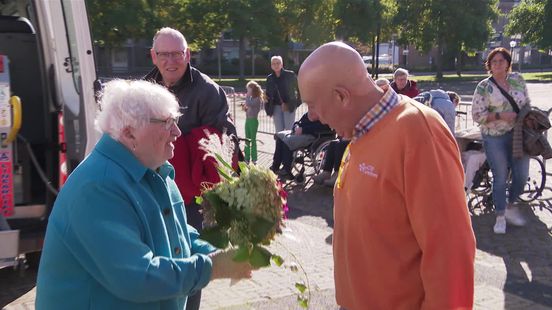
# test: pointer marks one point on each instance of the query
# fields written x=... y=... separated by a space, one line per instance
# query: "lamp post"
x=512 y=45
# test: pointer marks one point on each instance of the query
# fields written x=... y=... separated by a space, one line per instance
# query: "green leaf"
x=215 y=236
x=223 y=213
x=199 y=200
x=223 y=173
x=260 y=227
x=243 y=167
x=300 y=286
x=303 y=301
x=260 y=257
x=242 y=254
x=223 y=162
x=278 y=260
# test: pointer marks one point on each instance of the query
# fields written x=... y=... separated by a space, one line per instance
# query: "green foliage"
x=259 y=257
x=278 y=260
x=537 y=32
x=215 y=236
x=451 y=26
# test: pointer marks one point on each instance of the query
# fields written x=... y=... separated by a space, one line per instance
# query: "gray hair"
x=400 y=72
x=167 y=31
x=126 y=103
x=382 y=82
x=278 y=58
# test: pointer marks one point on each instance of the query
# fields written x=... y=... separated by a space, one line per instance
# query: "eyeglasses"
x=178 y=55
x=169 y=122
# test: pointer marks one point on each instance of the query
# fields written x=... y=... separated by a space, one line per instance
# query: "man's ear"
x=342 y=96
x=153 y=56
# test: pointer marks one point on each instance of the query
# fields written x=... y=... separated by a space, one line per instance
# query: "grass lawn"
x=239 y=86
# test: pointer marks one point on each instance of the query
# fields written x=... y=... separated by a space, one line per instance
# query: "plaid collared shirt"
x=389 y=100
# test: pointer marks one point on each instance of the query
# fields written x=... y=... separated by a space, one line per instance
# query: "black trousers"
x=282 y=155
x=334 y=153
x=195 y=219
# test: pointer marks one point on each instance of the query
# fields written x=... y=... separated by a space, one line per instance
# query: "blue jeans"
x=283 y=120
x=499 y=155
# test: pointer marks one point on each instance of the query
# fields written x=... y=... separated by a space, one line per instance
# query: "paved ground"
x=513 y=271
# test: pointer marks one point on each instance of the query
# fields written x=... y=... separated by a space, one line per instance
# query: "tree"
x=448 y=25
x=538 y=32
x=362 y=21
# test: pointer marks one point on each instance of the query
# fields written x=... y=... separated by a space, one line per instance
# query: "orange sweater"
x=402 y=235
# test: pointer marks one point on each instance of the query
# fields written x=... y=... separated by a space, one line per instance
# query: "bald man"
x=402 y=234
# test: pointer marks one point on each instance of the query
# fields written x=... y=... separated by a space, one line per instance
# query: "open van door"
x=50 y=65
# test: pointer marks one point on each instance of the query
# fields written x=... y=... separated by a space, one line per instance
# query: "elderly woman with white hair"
x=117 y=237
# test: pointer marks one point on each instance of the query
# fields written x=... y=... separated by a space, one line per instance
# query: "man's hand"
x=298 y=131
x=225 y=267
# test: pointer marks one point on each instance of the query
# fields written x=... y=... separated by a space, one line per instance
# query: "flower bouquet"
x=245 y=210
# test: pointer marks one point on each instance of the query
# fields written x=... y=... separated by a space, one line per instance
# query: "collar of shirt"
x=117 y=152
x=389 y=100
x=187 y=78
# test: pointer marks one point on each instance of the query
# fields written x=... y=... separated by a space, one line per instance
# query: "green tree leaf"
x=260 y=257
x=216 y=236
x=303 y=301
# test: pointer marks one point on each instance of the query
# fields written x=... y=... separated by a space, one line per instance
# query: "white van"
x=47 y=62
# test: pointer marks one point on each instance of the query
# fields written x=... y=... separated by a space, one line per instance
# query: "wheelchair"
x=308 y=161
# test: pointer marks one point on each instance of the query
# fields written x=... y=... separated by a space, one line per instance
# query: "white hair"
x=279 y=58
x=382 y=82
x=126 y=103
x=173 y=33
x=400 y=72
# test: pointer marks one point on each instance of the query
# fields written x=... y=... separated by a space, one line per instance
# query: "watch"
x=497 y=116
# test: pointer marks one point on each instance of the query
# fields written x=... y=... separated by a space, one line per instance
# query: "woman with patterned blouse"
x=496 y=117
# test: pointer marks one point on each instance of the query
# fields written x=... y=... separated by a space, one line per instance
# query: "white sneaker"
x=500 y=225
x=514 y=217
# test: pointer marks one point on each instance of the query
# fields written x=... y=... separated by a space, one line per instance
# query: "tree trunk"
x=439 y=61
x=373 y=56
x=378 y=32
x=242 y=57
x=459 y=62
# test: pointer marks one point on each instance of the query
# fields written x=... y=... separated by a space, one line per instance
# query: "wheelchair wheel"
x=319 y=156
x=536 y=180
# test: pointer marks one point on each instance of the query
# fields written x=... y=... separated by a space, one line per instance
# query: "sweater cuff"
x=205 y=269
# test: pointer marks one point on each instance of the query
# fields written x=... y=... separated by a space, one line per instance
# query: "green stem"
x=300 y=266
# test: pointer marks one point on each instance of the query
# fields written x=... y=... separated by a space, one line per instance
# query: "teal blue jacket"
x=117 y=238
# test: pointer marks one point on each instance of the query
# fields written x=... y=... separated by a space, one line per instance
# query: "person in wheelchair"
x=304 y=133
x=332 y=161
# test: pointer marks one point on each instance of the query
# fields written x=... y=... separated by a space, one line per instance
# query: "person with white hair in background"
x=282 y=94
x=402 y=85
x=117 y=237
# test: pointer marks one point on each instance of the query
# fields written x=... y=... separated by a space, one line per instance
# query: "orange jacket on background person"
x=402 y=236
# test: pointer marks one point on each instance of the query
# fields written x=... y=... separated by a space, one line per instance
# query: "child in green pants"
x=255 y=97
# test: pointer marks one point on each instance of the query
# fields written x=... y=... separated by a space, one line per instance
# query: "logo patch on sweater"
x=368 y=170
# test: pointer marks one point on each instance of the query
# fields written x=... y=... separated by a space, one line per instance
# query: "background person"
x=283 y=94
x=440 y=101
x=253 y=101
x=382 y=83
x=402 y=85
x=204 y=107
x=332 y=161
x=400 y=190
x=496 y=118
x=303 y=134
x=117 y=237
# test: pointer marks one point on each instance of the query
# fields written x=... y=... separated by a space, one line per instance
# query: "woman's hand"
x=225 y=267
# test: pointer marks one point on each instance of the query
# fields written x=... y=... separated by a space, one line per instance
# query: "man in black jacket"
x=283 y=94
x=303 y=134
x=202 y=101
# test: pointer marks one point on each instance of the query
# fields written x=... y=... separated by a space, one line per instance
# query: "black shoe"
x=274 y=169
x=287 y=176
